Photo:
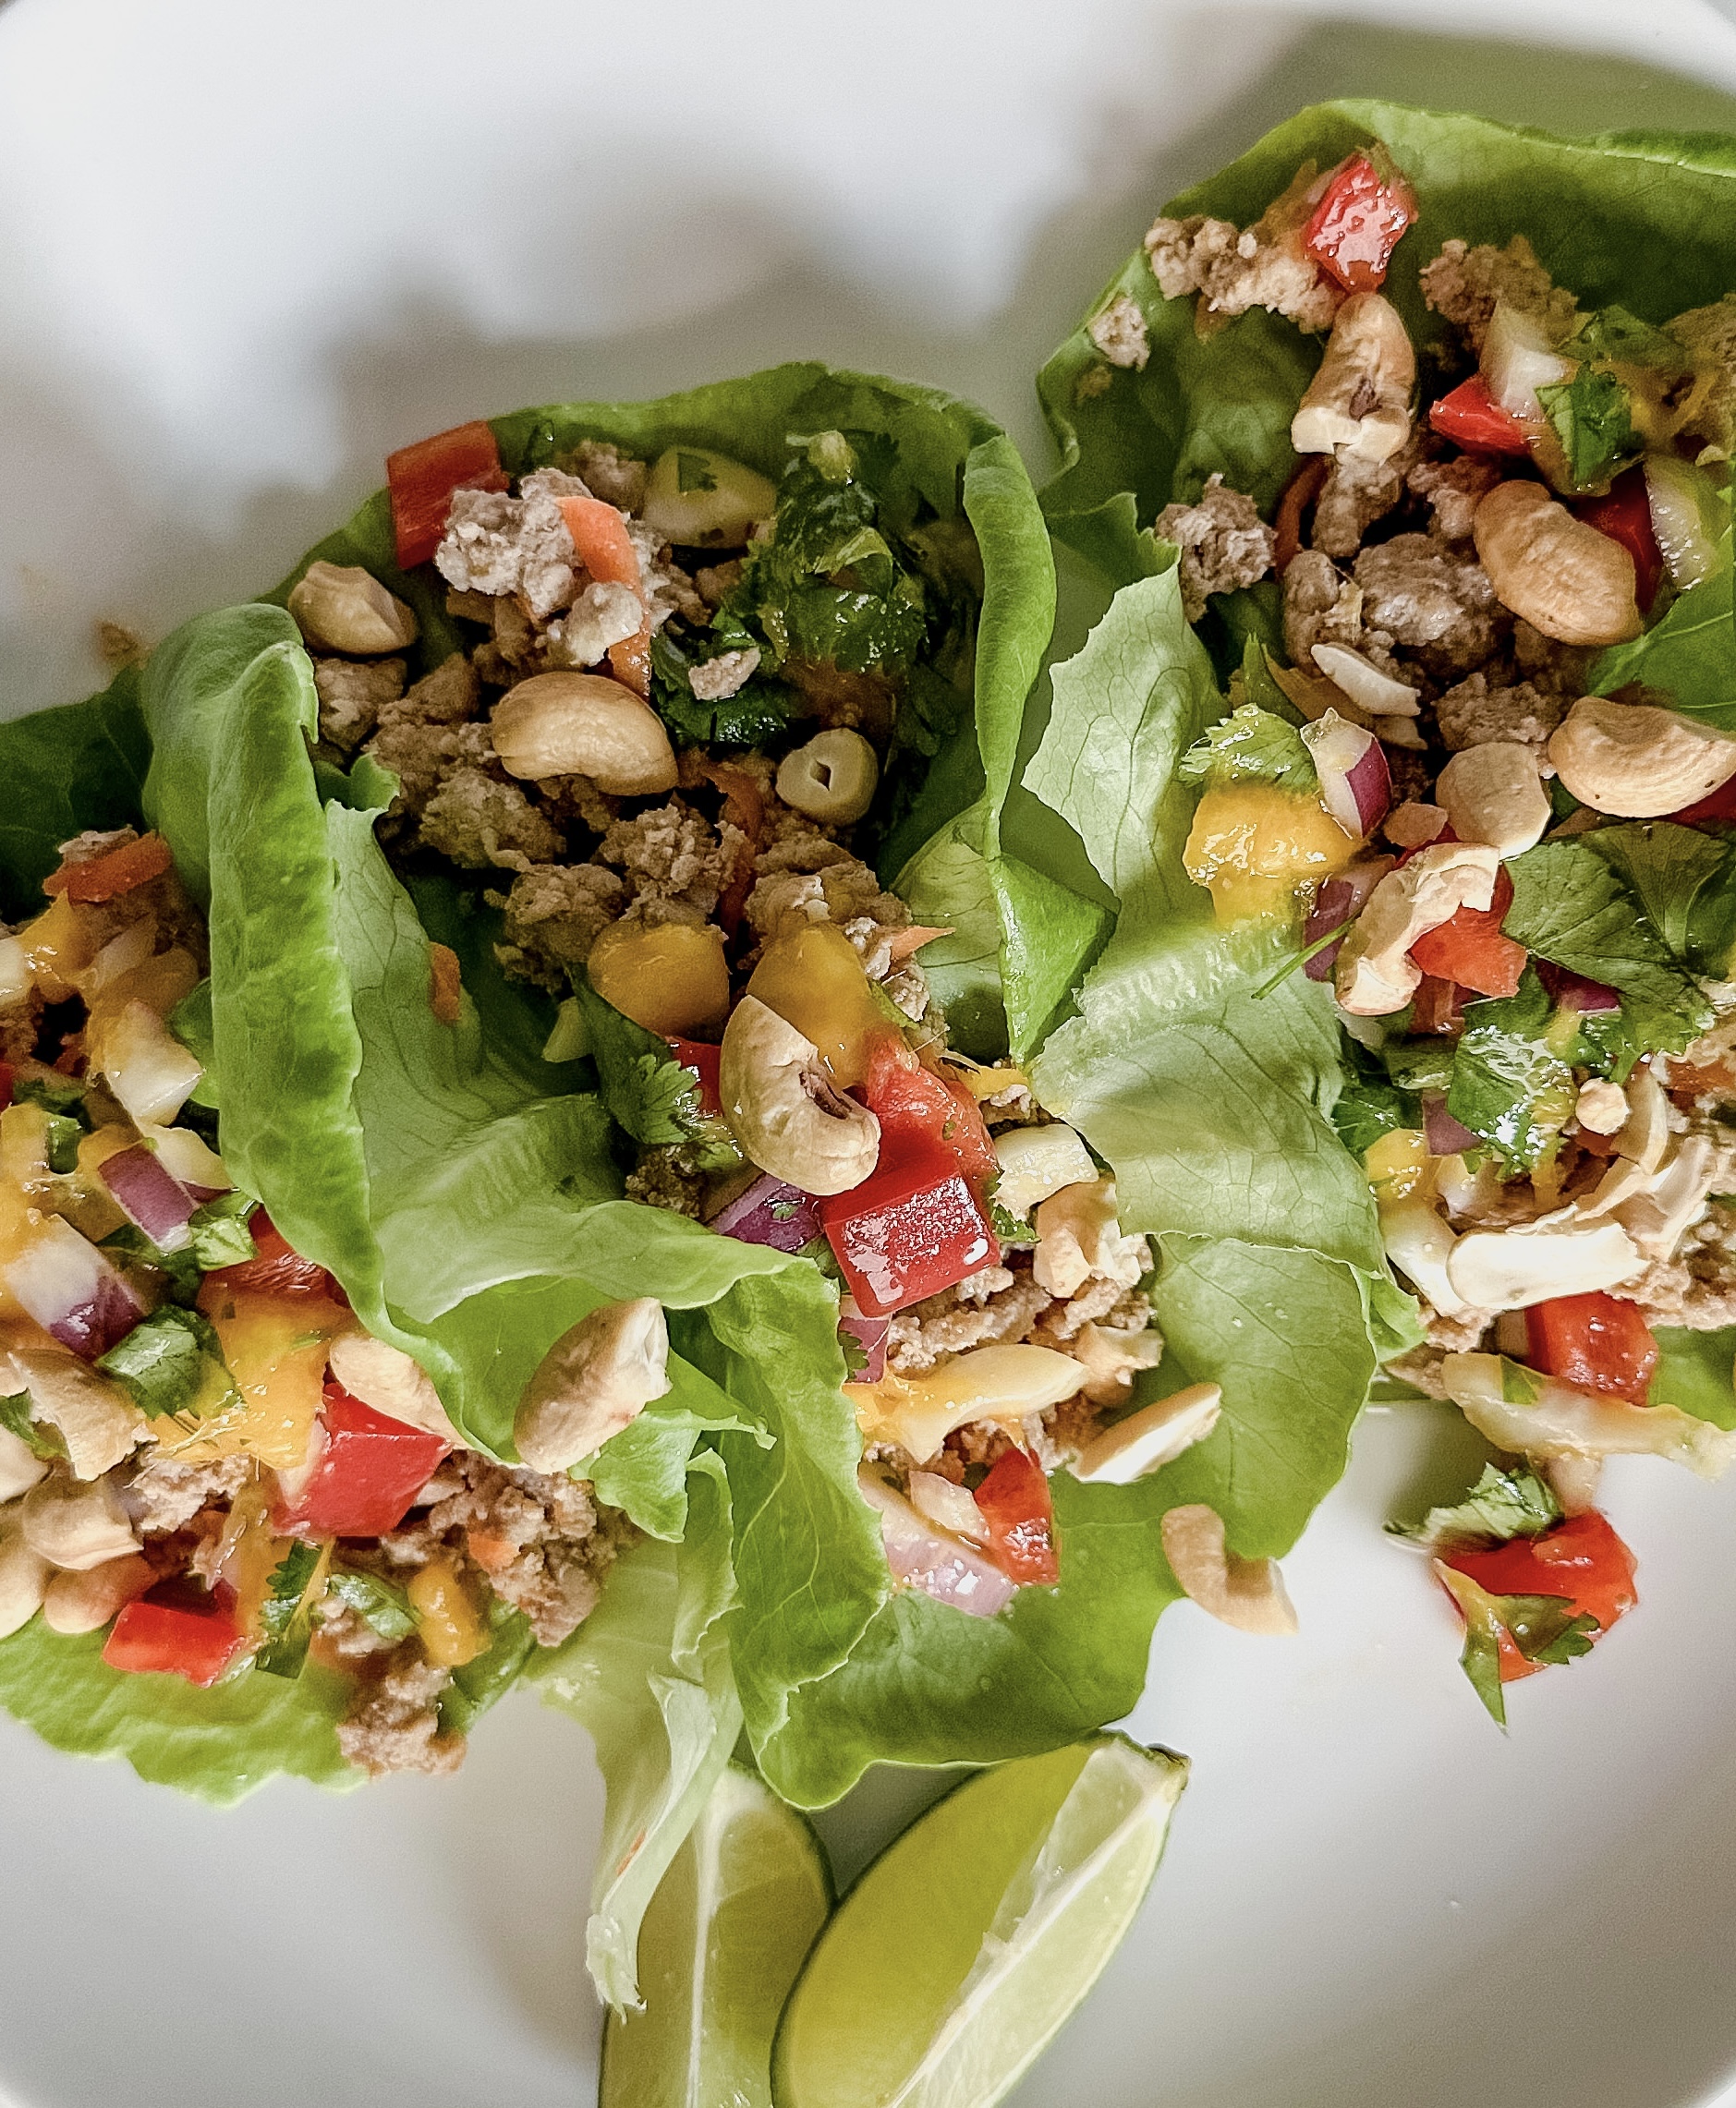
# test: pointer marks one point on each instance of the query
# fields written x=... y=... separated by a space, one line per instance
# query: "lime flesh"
x=721 y=1943
x=953 y=1961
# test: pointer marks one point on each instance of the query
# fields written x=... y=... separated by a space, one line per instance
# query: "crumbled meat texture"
x=661 y=1178
x=1475 y=711
x=541 y=1539
x=1430 y=601
x=416 y=737
x=1355 y=494
x=1421 y=1369
x=1557 y=669
x=975 y=1314
x=352 y=695
x=1232 y=271
x=554 y=915
x=603 y=615
x=716 y=680
x=1695 y=1287
x=1118 y=333
x=394 y=1724
x=1464 y=284
x=477 y=821
x=669 y=854
x=496 y=543
x=715 y=582
x=20 y=1020
x=802 y=875
x=1452 y=489
x=165 y=1496
x=1099 y=1302
x=611 y=474
x=1224 y=543
x=347 y=1633
x=516 y=645
x=1321 y=606
x=1709 y=335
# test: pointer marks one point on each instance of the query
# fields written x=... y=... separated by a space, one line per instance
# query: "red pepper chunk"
x=914 y=1105
x=1595 y=1342
x=421 y=479
x=703 y=1061
x=1718 y=806
x=169 y=1639
x=1624 y=513
x=369 y=1472
x=1582 y=1560
x=1472 y=418
x=1021 y=1518
x=7 y=1074
x=278 y=1270
x=1357 y=224
x=1471 y=950
x=914 y=1227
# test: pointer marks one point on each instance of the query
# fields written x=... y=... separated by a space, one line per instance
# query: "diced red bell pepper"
x=1624 y=513
x=370 y=1469
x=172 y=1639
x=1471 y=949
x=1357 y=224
x=1582 y=1560
x=1472 y=418
x=914 y=1105
x=605 y=549
x=705 y=1062
x=1719 y=806
x=1437 y=1007
x=7 y=1076
x=914 y=1227
x=1595 y=1342
x=421 y=479
x=1015 y=1505
x=107 y=876
x=278 y=1270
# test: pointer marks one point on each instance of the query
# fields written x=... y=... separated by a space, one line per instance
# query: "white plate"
x=245 y=251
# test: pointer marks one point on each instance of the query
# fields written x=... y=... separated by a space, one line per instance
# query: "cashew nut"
x=1644 y=1135
x=1562 y=575
x=1079 y=1238
x=21 y=1467
x=1247 y=1594
x=783 y=1111
x=1419 y=1242
x=1366 y=684
x=1675 y=1197
x=1560 y=1254
x=1494 y=793
x=1601 y=1105
x=1375 y=973
x=85 y=1602
x=832 y=778
x=1359 y=402
x=1638 y=761
x=1008 y=1385
x=1149 y=1439
x=1038 y=1161
x=1112 y=1355
x=596 y=1379
x=95 y=1419
x=347 y=609
x=583 y=724
x=697 y=499
x=76 y=1526
x=23 y=1578
x=387 y=1379
x=938 y=1500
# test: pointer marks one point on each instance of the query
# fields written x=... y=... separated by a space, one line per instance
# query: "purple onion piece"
x=870 y=1333
x=149 y=1196
x=1339 y=898
x=922 y=1555
x=772 y=1213
x=71 y=1290
x=1445 y=1135
x=1573 y=991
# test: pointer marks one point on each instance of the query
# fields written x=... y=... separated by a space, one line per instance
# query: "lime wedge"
x=953 y=1962
x=725 y=1934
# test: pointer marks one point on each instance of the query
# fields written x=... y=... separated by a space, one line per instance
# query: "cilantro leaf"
x=1251 y=745
x=1612 y=334
x=38 y=1437
x=181 y=1268
x=57 y=1095
x=693 y=472
x=1592 y=418
x=758 y=712
x=1544 y=1629
x=284 y=1616
x=1510 y=1085
x=62 y=1139
x=476 y=1686
x=649 y=1092
x=381 y=1606
x=1501 y=1507
x=1367 y=1109
x=1682 y=879
x=1009 y=1228
x=220 y=1236
x=171 y=1362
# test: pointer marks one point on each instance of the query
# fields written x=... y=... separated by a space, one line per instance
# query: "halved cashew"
x=583 y=724
x=84 y=1602
x=1079 y=1237
x=1419 y=1242
x=387 y=1379
x=1561 y=1254
x=1007 y=1385
x=832 y=778
x=1038 y=1161
x=1149 y=1439
x=783 y=1111
x=1495 y=793
x=595 y=1380
x=21 y=1467
x=1375 y=975
x=23 y=1580
x=76 y=1526
x=1644 y=1134
x=697 y=499
x=94 y=1418
x=1638 y=761
x=1675 y=1196
x=1365 y=683
x=1113 y=1355
x=1359 y=402
x=347 y=609
x=1247 y=1594
x=1601 y=1105
x=1554 y=1420
x=1562 y=575
x=938 y=1500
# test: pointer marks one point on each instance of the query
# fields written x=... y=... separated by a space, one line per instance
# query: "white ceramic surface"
x=244 y=250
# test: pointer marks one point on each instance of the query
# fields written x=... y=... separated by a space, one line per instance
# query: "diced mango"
x=1253 y=846
x=59 y=946
x=667 y=976
x=1397 y=1165
x=814 y=981
x=452 y=1632
x=277 y=1350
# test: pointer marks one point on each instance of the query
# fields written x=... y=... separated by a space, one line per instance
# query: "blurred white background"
x=245 y=250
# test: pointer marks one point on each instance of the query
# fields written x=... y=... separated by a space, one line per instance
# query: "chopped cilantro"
x=221 y=1237
x=476 y=1686
x=1252 y=746
x=381 y=1606
x=1592 y=418
x=760 y=712
x=284 y=1616
x=1367 y=1109
x=59 y=1096
x=855 y=1353
x=1544 y=1629
x=649 y=1092
x=182 y=1267
x=1613 y=333
x=1501 y=1507
x=818 y=1249
x=38 y=1437
x=171 y=1362
x=61 y=1140
x=1512 y=1084
x=1520 y=1385
x=693 y=472
x=1008 y=1228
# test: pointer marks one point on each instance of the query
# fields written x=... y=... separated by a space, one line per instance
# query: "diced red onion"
x=770 y=1212
x=1340 y=898
x=1445 y=1135
x=1573 y=991
x=870 y=1333
x=1518 y=359
x=1356 y=783
x=158 y=1204
x=71 y=1290
x=924 y=1557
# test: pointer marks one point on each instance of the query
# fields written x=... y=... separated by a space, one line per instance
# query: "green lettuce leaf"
x=64 y=770
x=1693 y=1372
x=1690 y=656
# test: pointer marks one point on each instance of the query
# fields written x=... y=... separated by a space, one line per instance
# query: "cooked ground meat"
x=554 y=915
x=1224 y=543
x=610 y=474
x=1464 y=284
x=663 y=1178
x=1233 y=270
x=1473 y=712
x=669 y=854
x=164 y=1496
x=1355 y=494
x=541 y=1541
x=394 y=1724
x=481 y=822
x=502 y=545
x=1118 y=333
x=1432 y=602
x=1452 y=489
x=352 y=695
